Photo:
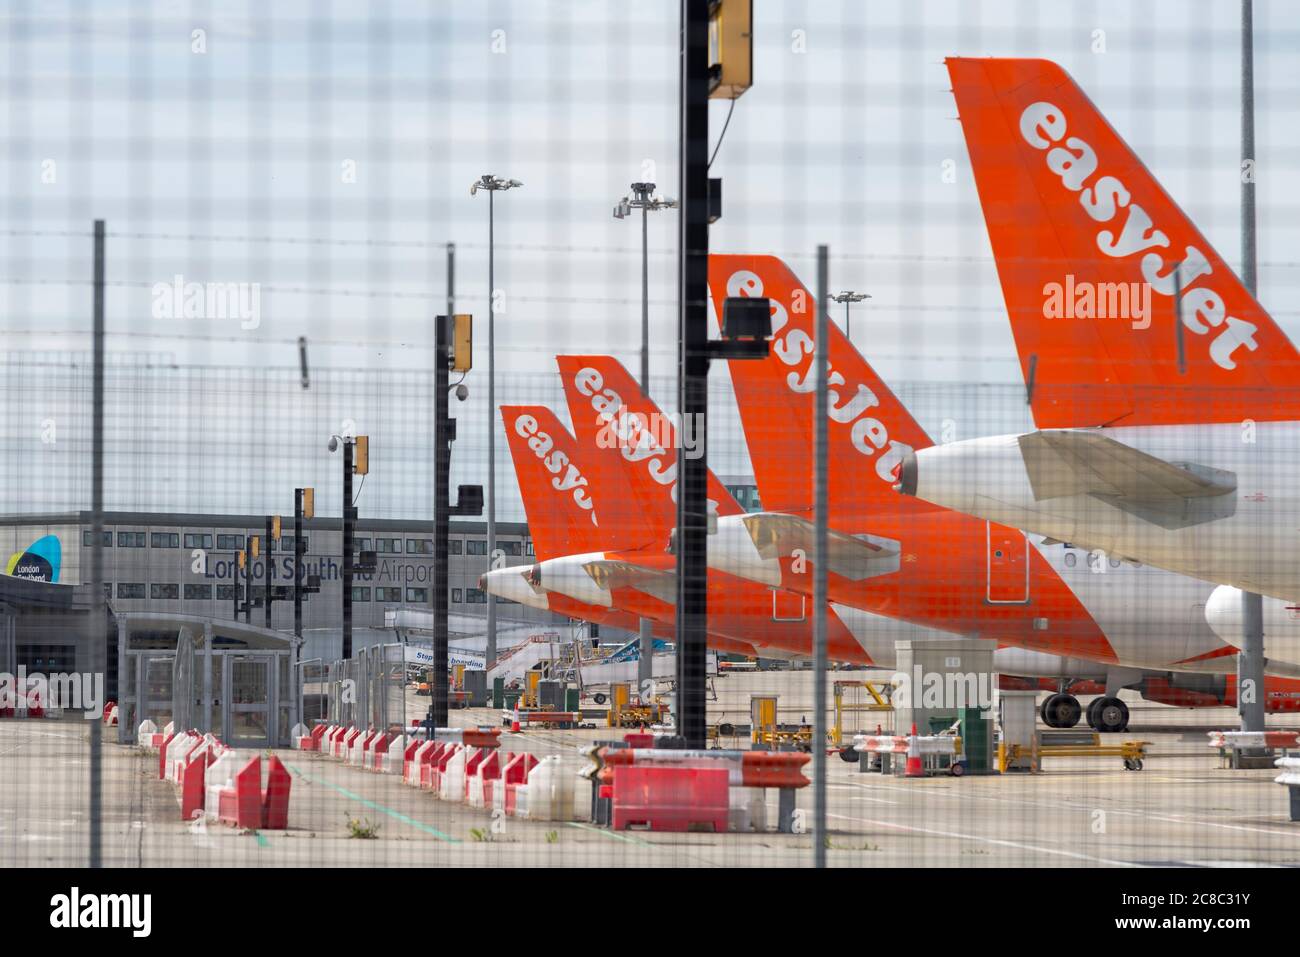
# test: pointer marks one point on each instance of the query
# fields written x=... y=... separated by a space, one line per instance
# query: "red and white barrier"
x=390 y=756
x=1248 y=740
x=235 y=796
x=1290 y=775
x=415 y=757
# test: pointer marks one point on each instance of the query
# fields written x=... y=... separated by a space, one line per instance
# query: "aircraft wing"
x=1169 y=494
x=779 y=534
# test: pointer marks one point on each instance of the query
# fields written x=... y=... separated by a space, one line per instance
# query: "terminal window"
x=509 y=548
x=419 y=546
x=130 y=589
x=453 y=547
x=388 y=546
x=164 y=590
x=476 y=546
x=88 y=539
x=228 y=592
x=230 y=543
x=198 y=540
x=475 y=596
x=388 y=594
x=286 y=543
x=164 y=540
x=130 y=539
x=455 y=596
x=417 y=594
x=363 y=544
x=360 y=593
x=198 y=592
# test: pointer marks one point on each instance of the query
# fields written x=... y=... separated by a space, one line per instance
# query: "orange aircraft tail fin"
x=630 y=443
x=1122 y=313
x=558 y=497
x=869 y=430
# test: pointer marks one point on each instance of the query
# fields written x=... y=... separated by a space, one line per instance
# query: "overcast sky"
x=197 y=149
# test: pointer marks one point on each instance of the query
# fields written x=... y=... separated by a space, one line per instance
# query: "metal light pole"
x=492 y=184
x=643 y=199
x=821 y=363
x=98 y=620
x=1250 y=662
x=847 y=297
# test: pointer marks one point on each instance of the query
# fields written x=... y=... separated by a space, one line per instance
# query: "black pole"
x=441 y=518
x=297 y=562
x=349 y=520
x=98 y=620
x=248 y=578
x=693 y=371
x=267 y=577
x=234 y=565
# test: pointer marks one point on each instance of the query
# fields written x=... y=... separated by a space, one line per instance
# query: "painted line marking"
x=614 y=835
x=999 y=841
x=376 y=806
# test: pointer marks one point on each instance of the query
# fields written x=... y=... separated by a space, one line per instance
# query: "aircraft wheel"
x=1091 y=714
x=850 y=755
x=1111 y=715
x=1061 y=711
x=598 y=698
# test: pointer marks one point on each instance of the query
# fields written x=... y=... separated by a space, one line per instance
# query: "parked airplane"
x=1168 y=433
x=955 y=572
x=581 y=525
x=546 y=457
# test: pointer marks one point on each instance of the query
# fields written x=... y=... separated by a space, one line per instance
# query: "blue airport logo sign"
x=40 y=561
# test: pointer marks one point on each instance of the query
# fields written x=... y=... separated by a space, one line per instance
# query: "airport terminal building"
x=175 y=563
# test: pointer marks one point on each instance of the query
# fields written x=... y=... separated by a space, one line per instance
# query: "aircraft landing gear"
x=1061 y=711
x=1108 y=715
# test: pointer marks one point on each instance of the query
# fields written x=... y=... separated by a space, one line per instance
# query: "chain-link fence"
x=289 y=195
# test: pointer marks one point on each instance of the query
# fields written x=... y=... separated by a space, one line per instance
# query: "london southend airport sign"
x=329 y=568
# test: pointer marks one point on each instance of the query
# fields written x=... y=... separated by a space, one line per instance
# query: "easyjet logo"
x=567 y=476
x=793 y=347
x=630 y=432
x=1200 y=308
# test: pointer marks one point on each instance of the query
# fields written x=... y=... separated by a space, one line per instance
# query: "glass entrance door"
x=251 y=695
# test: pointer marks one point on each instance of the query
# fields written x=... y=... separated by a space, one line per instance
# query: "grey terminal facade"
x=186 y=563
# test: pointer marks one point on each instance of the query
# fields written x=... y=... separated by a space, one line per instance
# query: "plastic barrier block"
x=248 y=794
x=275 y=802
x=227 y=807
x=192 y=787
x=162 y=757
x=670 y=798
x=514 y=776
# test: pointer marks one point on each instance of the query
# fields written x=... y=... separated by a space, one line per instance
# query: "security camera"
x=462 y=391
x=334 y=443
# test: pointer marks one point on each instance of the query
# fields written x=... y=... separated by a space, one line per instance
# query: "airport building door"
x=251 y=689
